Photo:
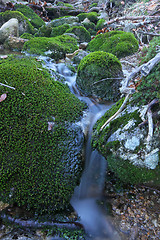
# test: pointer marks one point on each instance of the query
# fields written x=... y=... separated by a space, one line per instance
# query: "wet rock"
x=14 y=43
x=8 y=29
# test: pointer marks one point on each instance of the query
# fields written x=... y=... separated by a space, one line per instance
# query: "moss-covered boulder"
x=55 y=47
x=24 y=23
x=131 y=154
x=35 y=20
x=92 y=16
x=99 y=75
x=80 y=32
x=56 y=31
x=118 y=43
x=63 y=20
x=44 y=31
x=40 y=143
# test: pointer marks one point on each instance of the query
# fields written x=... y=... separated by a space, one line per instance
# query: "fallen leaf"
x=3 y=97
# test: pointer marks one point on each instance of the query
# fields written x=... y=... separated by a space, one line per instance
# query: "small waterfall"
x=89 y=192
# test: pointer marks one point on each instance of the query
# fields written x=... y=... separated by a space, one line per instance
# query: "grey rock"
x=9 y=28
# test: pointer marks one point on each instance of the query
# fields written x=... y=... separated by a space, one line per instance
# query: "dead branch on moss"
x=119 y=111
x=144 y=69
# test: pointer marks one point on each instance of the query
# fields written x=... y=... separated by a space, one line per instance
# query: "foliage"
x=80 y=32
x=92 y=16
x=118 y=43
x=35 y=20
x=7 y=15
x=97 y=66
x=56 y=31
x=37 y=170
x=58 y=46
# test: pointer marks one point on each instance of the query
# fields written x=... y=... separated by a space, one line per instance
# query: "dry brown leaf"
x=3 y=97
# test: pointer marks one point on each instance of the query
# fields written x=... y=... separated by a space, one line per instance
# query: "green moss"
x=44 y=31
x=100 y=24
x=35 y=20
x=56 y=31
x=58 y=46
x=90 y=26
x=7 y=15
x=27 y=36
x=95 y=67
x=118 y=43
x=92 y=16
x=80 y=32
x=37 y=170
x=128 y=173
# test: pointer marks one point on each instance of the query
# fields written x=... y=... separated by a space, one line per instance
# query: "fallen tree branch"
x=150 y=125
x=144 y=69
x=149 y=33
x=119 y=110
x=118 y=19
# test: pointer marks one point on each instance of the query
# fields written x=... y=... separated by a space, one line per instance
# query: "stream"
x=89 y=192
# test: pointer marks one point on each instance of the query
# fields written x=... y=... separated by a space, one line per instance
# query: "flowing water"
x=89 y=192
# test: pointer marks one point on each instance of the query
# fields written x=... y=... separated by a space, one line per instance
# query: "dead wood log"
x=132 y=18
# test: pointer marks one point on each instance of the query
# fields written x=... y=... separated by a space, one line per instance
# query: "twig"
x=119 y=110
x=104 y=79
x=4 y=85
x=7 y=86
x=150 y=125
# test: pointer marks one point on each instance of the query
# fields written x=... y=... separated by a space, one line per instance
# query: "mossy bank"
x=41 y=145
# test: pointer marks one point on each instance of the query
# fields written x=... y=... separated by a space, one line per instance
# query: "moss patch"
x=56 y=31
x=80 y=32
x=118 y=43
x=128 y=173
x=57 y=46
x=35 y=20
x=7 y=15
x=95 y=67
x=37 y=170
x=92 y=16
